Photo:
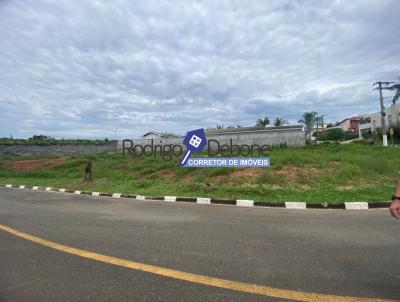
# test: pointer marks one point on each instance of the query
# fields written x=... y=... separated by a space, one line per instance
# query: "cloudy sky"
x=84 y=68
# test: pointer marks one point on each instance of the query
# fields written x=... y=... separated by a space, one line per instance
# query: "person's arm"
x=395 y=205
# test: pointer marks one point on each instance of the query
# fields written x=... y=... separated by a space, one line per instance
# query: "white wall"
x=268 y=136
x=392 y=112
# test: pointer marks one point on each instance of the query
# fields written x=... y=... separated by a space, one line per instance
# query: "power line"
x=370 y=106
x=363 y=111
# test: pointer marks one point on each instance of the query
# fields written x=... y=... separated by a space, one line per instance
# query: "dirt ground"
x=291 y=173
x=35 y=164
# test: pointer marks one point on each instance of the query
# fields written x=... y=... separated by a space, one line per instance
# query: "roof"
x=153 y=132
x=160 y=134
x=354 y=118
x=253 y=129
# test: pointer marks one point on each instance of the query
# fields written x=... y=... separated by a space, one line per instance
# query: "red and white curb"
x=217 y=201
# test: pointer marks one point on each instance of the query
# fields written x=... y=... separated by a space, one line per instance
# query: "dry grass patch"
x=165 y=175
x=35 y=164
x=293 y=173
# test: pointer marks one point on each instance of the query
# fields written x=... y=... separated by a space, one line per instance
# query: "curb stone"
x=217 y=201
x=186 y=199
x=223 y=201
x=170 y=198
x=106 y=194
x=295 y=205
x=245 y=203
x=356 y=205
x=152 y=197
x=203 y=200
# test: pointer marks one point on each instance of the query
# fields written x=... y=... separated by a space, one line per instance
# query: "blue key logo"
x=195 y=141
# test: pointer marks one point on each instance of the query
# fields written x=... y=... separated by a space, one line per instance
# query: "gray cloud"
x=84 y=68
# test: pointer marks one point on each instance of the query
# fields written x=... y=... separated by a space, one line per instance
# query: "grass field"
x=325 y=173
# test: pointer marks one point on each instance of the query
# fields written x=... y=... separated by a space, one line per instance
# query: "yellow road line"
x=199 y=279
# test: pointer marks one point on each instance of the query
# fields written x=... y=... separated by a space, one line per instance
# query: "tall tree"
x=263 y=122
x=395 y=87
x=309 y=120
x=279 y=121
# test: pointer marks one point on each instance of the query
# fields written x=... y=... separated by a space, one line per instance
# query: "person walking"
x=395 y=205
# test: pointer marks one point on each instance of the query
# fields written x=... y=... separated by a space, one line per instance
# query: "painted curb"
x=216 y=201
x=186 y=199
x=356 y=205
x=231 y=202
x=170 y=198
x=245 y=203
x=295 y=205
x=203 y=200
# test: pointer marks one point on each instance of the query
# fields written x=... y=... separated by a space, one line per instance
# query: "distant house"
x=157 y=135
x=350 y=124
x=372 y=121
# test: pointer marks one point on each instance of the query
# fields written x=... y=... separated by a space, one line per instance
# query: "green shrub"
x=336 y=134
x=350 y=135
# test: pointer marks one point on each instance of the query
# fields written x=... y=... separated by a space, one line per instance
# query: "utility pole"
x=322 y=120
x=380 y=88
x=115 y=139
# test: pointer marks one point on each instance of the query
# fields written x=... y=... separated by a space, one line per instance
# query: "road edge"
x=217 y=201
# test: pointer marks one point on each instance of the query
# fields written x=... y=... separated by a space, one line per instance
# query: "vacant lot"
x=327 y=173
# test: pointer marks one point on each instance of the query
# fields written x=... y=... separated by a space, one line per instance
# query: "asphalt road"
x=333 y=252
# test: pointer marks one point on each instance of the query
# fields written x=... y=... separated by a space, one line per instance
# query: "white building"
x=371 y=121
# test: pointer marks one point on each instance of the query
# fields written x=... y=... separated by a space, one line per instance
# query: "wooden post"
x=88 y=172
